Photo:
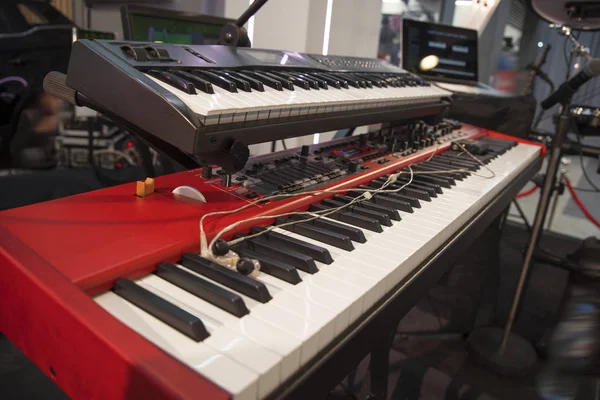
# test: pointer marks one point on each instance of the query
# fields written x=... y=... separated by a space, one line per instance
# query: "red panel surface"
x=89 y=353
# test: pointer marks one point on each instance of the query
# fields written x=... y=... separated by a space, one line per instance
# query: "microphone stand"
x=234 y=34
x=500 y=349
x=562 y=128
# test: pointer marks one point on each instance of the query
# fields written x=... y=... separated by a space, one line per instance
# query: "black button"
x=158 y=53
x=137 y=53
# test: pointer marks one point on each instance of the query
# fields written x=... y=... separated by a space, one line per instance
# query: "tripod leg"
x=522 y=214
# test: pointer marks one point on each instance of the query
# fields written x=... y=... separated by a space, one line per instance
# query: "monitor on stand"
x=157 y=25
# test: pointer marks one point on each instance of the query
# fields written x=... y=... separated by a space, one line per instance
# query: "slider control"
x=225 y=180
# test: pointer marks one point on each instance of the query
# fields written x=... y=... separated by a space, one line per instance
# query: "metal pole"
x=253 y=9
x=523 y=216
x=555 y=201
x=540 y=215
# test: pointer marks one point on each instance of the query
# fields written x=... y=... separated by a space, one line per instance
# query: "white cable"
x=367 y=195
x=206 y=249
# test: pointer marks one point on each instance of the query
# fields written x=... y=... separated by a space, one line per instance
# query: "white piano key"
x=238 y=380
x=278 y=342
x=236 y=346
x=338 y=307
x=306 y=330
x=348 y=291
x=288 y=319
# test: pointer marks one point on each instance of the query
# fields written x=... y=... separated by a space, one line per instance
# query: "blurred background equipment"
x=457 y=52
x=35 y=39
x=111 y=147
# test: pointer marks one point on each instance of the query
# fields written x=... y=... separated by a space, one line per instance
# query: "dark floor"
x=423 y=365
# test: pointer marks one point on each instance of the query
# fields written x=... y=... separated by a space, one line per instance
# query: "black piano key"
x=199 y=83
x=321 y=83
x=407 y=199
x=455 y=158
x=333 y=82
x=387 y=201
x=266 y=80
x=301 y=261
x=301 y=83
x=417 y=182
x=285 y=82
x=446 y=165
x=349 y=79
x=407 y=190
x=456 y=164
x=450 y=176
x=173 y=80
x=459 y=175
x=217 y=80
x=413 y=201
x=322 y=235
x=374 y=81
x=232 y=279
x=447 y=177
x=423 y=188
x=351 y=219
x=364 y=83
x=443 y=182
x=392 y=203
x=391 y=212
x=453 y=155
x=208 y=291
x=177 y=318
x=254 y=83
x=391 y=81
x=383 y=218
x=343 y=82
x=354 y=234
x=311 y=81
x=240 y=83
x=271 y=266
x=316 y=252
x=376 y=78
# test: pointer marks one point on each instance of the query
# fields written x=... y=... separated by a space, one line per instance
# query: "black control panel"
x=309 y=167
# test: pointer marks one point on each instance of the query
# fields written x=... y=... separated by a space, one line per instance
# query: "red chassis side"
x=54 y=255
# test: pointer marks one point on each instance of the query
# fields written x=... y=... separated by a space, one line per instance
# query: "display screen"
x=169 y=30
x=270 y=57
x=439 y=50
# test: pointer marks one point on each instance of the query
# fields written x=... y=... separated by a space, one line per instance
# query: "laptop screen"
x=439 y=51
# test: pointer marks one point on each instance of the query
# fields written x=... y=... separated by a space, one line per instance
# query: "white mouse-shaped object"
x=189 y=192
